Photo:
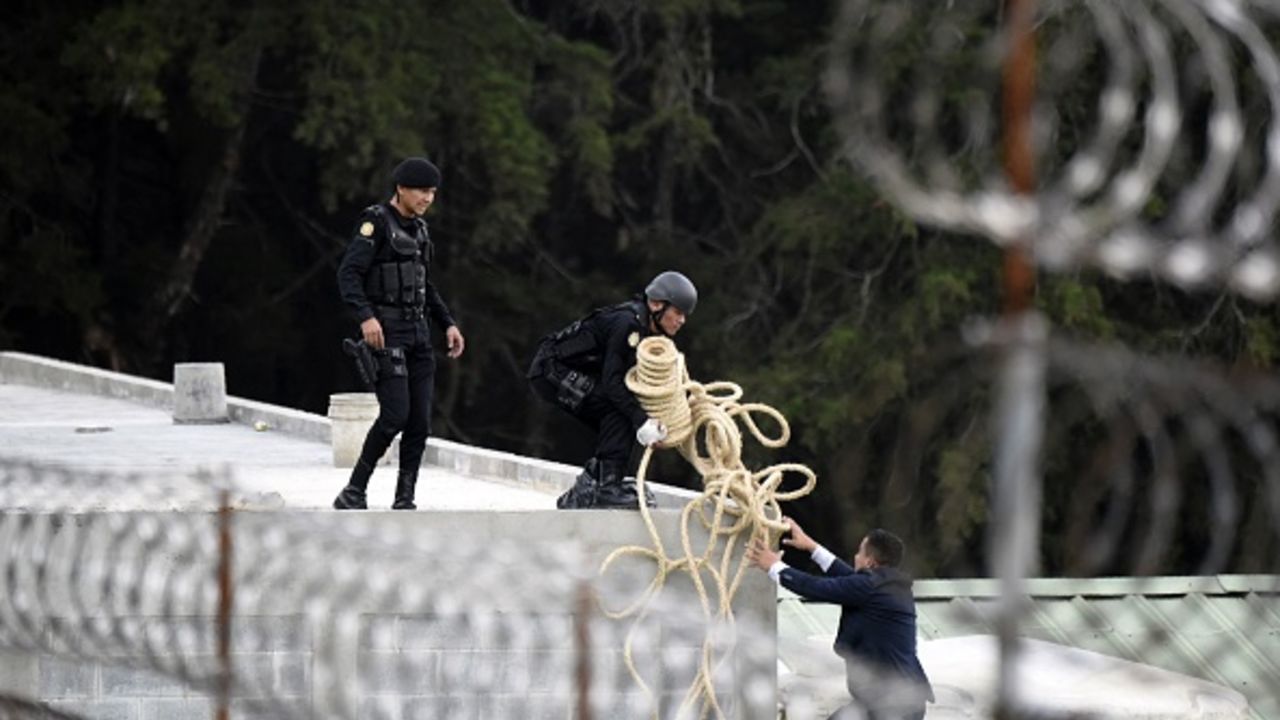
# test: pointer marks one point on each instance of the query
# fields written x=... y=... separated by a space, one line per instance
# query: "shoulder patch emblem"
x=633 y=339
x=366 y=229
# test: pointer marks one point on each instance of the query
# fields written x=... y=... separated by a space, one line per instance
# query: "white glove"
x=650 y=432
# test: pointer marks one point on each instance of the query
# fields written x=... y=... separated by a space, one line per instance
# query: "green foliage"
x=121 y=54
x=1075 y=306
x=127 y=57
x=585 y=146
x=963 y=481
x=1261 y=340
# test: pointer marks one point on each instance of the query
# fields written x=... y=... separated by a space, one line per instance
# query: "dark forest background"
x=178 y=180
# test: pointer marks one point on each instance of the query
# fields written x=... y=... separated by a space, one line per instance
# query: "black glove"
x=366 y=366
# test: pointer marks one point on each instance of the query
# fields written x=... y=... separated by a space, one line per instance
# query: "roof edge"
x=518 y=470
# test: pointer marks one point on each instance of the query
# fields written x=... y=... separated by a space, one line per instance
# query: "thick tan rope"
x=736 y=504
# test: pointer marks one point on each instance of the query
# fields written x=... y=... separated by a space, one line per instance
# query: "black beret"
x=416 y=172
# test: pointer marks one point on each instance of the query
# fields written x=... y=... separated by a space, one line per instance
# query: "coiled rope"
x=736 y=504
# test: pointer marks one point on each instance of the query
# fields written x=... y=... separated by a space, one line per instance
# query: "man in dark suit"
x=877 y=634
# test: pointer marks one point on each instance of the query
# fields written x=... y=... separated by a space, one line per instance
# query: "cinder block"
x=274 y=709
x=426 y=632
x=399 y=673
x=293 y=674
x=255 y=674
x=543 y=706
x=625 y=705
x=532 y=706
x=119 y=682
x=180 y=635
x=63 y=679
x=178 y=709
x=552 y=670
x=459 y=707
x=379 y=632
x=541 y=631
x=270 y=633
x=550 y=631
x=98 y=709
x=387 y=707
x=487 y=672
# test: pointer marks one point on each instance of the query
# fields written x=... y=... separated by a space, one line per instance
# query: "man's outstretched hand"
x=761 y=556
x=799 y=539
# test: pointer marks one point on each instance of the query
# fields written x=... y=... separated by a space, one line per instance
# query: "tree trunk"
x=176 y=291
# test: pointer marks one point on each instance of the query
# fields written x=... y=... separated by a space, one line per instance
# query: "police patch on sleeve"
x=633 y=339
x=366 y=229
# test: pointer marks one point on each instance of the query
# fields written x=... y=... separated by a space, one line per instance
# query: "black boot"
x=583 y=493
x=618 y=492
x=405 y=483
x=352 y=496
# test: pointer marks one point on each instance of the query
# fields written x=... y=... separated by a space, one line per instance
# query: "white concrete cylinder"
x=350 y=417
x=199 y=393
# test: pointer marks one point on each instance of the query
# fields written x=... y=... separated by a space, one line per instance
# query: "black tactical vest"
x=401 y=260
x=576 y=346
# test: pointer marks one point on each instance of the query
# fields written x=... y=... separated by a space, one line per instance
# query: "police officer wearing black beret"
x=385 y=280
x=583 y=368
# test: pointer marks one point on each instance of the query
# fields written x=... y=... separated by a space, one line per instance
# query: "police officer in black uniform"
x=582 y=369
x=385 y=280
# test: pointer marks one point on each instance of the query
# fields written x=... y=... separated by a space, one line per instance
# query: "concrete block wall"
x=273 y=654
x=414 y=666
x=493 y=650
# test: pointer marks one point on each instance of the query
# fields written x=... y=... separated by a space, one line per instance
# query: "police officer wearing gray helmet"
x=385 y=281
x=582 y=369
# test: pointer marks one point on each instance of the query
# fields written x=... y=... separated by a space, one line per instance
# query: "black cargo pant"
x=613 y=429
x=404 y=399
x=614 y=434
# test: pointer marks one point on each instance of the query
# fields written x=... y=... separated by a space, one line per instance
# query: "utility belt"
x=398 y=312
x=372 y=365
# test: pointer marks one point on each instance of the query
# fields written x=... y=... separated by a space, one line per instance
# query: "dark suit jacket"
x=877 y=616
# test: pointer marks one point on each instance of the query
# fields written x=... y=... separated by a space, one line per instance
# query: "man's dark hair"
x=885 y=547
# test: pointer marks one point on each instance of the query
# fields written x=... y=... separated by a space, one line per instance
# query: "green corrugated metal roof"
x=1220 y=628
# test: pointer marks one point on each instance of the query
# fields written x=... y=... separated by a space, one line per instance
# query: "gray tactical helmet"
x=675 y=288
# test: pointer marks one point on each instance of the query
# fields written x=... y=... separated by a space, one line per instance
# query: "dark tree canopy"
x=178 y=181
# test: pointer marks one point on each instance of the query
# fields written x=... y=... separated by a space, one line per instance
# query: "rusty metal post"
x=1020 y=404
x=1018 y=99
x=582 y=652
x=225 y=603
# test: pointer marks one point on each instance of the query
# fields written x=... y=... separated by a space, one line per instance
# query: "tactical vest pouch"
x=391 y=362
x=573 y=388
x=387 y=284
x=402 y=243
x=555 y=382
x=560 y=385
x=408 y=286
x=419 y=284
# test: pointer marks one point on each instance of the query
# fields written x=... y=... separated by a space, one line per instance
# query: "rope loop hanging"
x=705 y=423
